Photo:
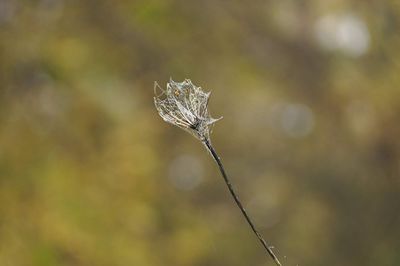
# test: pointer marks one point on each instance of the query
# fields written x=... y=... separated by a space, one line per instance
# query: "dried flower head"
x=185 y=105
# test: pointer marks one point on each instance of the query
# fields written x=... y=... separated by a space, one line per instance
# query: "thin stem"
x=237 y=201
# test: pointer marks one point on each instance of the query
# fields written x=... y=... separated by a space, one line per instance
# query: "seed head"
x=185 y=105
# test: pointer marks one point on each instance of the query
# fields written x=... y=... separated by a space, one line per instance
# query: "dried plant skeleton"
x=185 y=105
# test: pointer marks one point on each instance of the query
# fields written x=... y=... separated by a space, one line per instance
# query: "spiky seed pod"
x=185 y=105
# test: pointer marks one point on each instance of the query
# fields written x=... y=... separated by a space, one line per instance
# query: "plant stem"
x=210 y=148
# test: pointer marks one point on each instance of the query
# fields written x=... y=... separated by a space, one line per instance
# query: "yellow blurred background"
x=91 y=175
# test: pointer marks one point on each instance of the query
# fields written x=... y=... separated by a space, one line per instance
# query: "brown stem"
x=237 y=201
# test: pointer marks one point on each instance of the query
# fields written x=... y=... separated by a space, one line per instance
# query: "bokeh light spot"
x=185 y=172
x=346 y=33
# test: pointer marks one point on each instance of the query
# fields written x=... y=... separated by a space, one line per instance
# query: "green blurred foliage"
x=90 y=175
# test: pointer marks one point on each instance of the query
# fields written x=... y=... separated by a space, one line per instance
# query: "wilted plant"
x=185 y=105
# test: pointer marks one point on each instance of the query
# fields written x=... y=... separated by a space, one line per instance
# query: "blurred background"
x=91 y=175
